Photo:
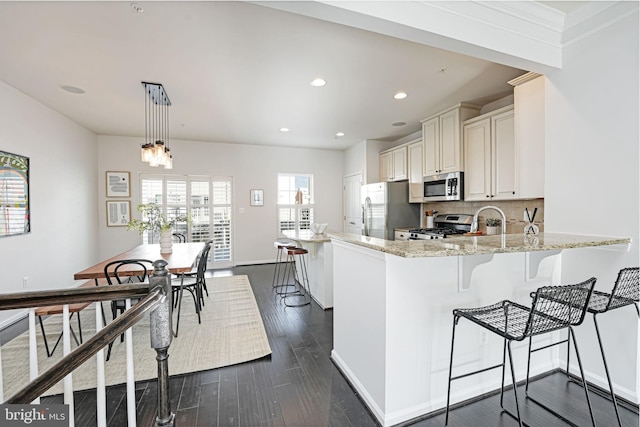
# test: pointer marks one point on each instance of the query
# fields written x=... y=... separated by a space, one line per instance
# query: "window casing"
x=198 y=197
x=295 y=202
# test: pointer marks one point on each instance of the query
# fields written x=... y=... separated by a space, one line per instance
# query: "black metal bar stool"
x=553 y=308
x=280 y=245
x=626 y=291
x=301 y=295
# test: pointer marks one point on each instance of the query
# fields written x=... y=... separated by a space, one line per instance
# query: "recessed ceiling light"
x=399 y=124
x=284 y=129
x=339 y=134
x=136 y=8
x=318 y=82
x=72 y=89
x=400 y=95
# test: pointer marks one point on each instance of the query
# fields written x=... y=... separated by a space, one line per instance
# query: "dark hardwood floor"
x=298 y=385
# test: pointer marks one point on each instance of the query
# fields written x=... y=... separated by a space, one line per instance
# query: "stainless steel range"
x=445 y=225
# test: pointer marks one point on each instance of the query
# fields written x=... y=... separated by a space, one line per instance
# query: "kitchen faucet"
x=474 y=223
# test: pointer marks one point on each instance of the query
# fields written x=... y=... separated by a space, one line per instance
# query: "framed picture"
x=118 y=213
x=15 y=215
x=118 y=184
x=257 y=197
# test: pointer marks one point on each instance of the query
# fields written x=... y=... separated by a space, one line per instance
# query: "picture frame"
x=15 y=202
x=118 y=184
x=118 y=213
x=257 y=197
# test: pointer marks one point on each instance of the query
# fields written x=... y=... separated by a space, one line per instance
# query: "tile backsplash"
x=513 y=210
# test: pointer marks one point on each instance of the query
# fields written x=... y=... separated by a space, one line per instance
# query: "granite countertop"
x=307 y=236
x=477 y=245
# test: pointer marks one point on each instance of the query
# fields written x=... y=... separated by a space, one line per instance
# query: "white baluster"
x=101 y=395
x=1 y=380
x=131 y=391
x=33 y=349
x=66 y=349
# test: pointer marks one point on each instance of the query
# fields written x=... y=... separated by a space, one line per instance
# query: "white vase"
x=492 y=230
x=166 y=242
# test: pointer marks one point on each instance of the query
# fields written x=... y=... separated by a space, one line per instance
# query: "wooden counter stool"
x=553 y=308
x=280 y=245
x=301 y=295
x=626 y=291
x=75 y=308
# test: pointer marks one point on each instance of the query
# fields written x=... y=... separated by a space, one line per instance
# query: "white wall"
x=592 y=179
x=251 y=166
x=355 y=159
x=63 y=187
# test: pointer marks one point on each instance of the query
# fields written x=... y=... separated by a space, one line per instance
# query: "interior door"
x=351 y=199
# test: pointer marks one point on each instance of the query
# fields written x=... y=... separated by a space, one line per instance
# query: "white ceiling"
x=235 y=72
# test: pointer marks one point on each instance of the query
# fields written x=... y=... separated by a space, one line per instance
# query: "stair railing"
x=155 y=300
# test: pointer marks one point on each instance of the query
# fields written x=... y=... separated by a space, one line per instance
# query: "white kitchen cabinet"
x=393 y=164
x=529 y=113
x=386 y=166
x=399 y=163
x=491 y=162
x=415 y=152
x=441 y=134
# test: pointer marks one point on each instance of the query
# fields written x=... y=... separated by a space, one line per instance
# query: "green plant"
x=493 y=222
x=154 y=220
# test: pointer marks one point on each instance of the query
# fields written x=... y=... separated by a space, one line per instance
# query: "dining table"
x=181 y=260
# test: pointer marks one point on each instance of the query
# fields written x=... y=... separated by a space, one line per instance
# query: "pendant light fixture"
x=156 y=150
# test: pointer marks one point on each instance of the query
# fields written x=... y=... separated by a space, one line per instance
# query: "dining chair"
x=114 y=272
x=179 y=237
x=194 y=273
x=193 y=285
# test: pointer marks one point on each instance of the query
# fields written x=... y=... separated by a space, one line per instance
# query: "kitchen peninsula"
x=319 y=264
x=393 y=303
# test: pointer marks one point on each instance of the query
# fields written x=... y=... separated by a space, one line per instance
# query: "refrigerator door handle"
x=366 y=216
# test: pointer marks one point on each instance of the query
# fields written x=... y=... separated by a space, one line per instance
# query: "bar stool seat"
x=280 y=245
x=300 y=296
x=553 y=308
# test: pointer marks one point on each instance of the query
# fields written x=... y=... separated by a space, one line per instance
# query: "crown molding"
x=595 y=16
x=524 y=78
x=524 y=34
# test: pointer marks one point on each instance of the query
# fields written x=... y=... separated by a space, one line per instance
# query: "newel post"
x=161 y=336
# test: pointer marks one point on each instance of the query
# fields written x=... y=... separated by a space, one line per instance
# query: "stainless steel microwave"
x=444 y=187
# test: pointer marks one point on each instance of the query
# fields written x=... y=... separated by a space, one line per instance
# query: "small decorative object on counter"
x=429 y=215
x=492 y=225
x=531 y=228
x=318 y=228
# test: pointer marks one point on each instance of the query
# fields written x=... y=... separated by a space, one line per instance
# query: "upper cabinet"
x=504 y=149
x=393 y=164
x=416 y=175
x=529 y=103
x=442 y=139
x=491 y=162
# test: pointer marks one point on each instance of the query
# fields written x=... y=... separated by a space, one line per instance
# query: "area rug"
x=231 y=332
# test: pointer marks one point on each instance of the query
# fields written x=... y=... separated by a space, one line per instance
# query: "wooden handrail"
x=81 y=354
x=71 y=296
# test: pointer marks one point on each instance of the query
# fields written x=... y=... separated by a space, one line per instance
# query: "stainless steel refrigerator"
x=385 y=206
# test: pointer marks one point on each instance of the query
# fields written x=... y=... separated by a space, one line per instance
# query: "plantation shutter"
x=221 y=249
x=207 y=201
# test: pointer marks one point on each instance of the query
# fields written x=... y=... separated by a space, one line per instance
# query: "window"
x=295 y=202
x=198 y=197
